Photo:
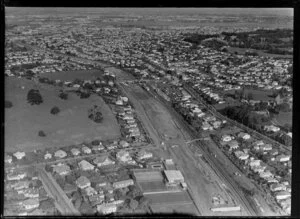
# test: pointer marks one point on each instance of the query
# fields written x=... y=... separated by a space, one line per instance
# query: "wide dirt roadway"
x=201 y=179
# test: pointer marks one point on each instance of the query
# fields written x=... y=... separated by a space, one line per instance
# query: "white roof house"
x=60 y=154
x=19 y=155
x=84 y=165
x=174 y=176
x=244 y=135
x=282 y=195
x=226 y=138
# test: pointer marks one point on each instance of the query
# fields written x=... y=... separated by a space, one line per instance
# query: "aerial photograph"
x=148 y=111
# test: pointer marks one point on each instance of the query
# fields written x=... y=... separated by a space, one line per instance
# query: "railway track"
x=219 y=170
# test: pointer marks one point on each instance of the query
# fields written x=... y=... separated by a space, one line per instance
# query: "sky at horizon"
x=168 y=11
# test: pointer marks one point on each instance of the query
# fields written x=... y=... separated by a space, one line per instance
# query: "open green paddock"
x=70 y=126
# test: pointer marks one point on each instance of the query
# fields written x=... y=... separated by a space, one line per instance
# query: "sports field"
x=71 y=126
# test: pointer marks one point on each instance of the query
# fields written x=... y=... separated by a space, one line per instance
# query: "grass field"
x=284 y=118
x=70 y=126
x=260 y=53
x=152 y=186
x=185 y=209
x=169 y=198
x=257 y=94
x=71 y=75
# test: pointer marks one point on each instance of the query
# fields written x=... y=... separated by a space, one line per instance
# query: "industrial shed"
x=174 y=176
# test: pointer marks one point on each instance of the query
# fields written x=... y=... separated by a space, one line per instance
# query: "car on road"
x=173 y=146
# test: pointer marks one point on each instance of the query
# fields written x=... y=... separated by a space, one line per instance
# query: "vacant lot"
x=72 y=125
x=170 y=198
x=71 y=75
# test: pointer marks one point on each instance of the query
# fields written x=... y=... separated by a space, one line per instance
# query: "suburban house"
x=283 y=158
x=226 y=138
x=271 y=128
x=277 y=187
x=123 y=183
x=124 y=144
x=253 y=163
x=31 y=203
x=47 y=156
x=16 y=176
x=96 y=199
x=233 y=144
x=61 y=169
x=86 y=150
x=31 y=193
x=84 y=165
x=244 y=135
x=123 y=156
x=75 y=151
x=90 y=191
x=142 y=154
x=103 y=161
x=19 y=155
x=98 y=147
x=107 y=208
x=7 y=158
x=266 y=147
x=265 y=174
x=60 y=154
x=241 y=155
x=20 y=185
x=282 y=195
x=83 y=182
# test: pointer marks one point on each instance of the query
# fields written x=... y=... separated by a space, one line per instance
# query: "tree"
x=133 y=191
x=70 y=179
x=55 y=110
x=133 y=204
x=63 y=95
x=284 y=107
x=95 y=114
x=47 y=205
x=8 y=104
x=250 y=96
x=143 y=202
x=84 y=95
x=42 y=134
x=86 y=209
x=95 y=142
x=48 y=168
x=34 y=97
x=118 y=194
x=77 y=203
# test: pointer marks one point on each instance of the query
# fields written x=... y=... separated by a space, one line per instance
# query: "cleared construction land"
x=70 y=126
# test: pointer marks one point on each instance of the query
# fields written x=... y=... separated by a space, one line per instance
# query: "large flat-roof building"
x=174 y=176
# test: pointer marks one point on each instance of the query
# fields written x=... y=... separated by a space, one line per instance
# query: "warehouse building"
x=174 y=176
